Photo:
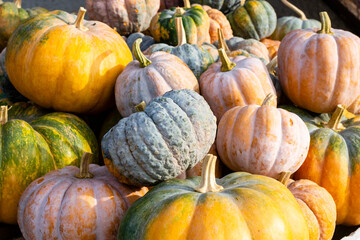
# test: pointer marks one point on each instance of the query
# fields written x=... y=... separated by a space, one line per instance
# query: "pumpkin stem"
x=179 y=11
x=272 y=65
x=325 y=24
x=84 y=166
x=227 y=65
x=4 y=114
x=222 y=42
x=335 y=119
x=208 y=181
x=242 y=2
x=181 y=36
x=140 y=107
x=79 y=22
x=269 y=100
x=144 y=62
x=284 y=177
x=187 y=4
x=295 y=9
x=17 y=3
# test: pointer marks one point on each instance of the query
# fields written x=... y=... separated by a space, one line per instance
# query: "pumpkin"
x=75 y=72
x=332 y=162
x=316 y=204
x=196 y=58
x=224 y=6
x=217 y=20
x=147 y=78
x=322 y=71
x=237 y=206
x=85 y=203
x=147 y=41
x=126 y=16
x=272 y=46
x=253 y=19
x=11 y=15
x=262 y=139
x=355 y=106
x=234 y=82
x=288 y=23
x=195 y=20
x=172 y=134
x=165 y=4
x=27 y=111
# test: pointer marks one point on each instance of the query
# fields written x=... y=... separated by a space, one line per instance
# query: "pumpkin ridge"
x=254 y=34
x=281 y=140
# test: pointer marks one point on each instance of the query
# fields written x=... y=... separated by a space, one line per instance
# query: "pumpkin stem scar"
x=335 y=119
x=227 y=65
x=4 y=114
x=17 y=3
x=140 y=107
x=80 y=20
x=222 y=42
x=284 y=177
x=180 y=31
x=179 y=11
x=269 y=100
x=84 y=166
x=295 y=9
x=208 y=180
x=144 y=62
x=187 y=4
x=325 y=24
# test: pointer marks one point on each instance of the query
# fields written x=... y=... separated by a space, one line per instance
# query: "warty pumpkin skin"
x=127 y=16
x=253 y=19
x=172 y=134
x=64 y=204
x=147 y=78
x=75 y=65
x=234 y=82
x=237 y=206
x=319 y=70
x=262 y=140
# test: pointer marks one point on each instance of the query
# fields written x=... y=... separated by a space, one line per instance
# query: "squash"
x=286 y=24
x=322 y=71
x=355 y=106
x=316 y=204
x=234 y=82
x=73 y=203
x=147 y=78
x=11 y=15
x=125 y=15
x=196 y=58
x=195 y=20
x=172 y=134
x=224 y=6
x=262 y=139
x=253 y=19
x=272 y=47
x=147 y=41
x=237 y=206
x=75 y=72
x=26 y=111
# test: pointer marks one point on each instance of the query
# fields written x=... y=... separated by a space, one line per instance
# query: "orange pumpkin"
x=66 y=204
x=272 y=46
x=262 y=139
x=234 y=82
x=319 y=70
x=66 y=64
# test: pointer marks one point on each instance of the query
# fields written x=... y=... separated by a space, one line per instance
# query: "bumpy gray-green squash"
x=172 y=134
x=147 y=41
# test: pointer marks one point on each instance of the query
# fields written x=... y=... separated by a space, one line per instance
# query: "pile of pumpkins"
x=199 y=115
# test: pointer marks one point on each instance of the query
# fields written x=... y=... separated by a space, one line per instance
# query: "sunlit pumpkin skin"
x=165 y=72
x=250 y=207
x=247 y=83
x=172 y=134
x=127 y=16
x=318 y=71
x=272 y=46
x=224 y=6
x=61 y=206
x=195 y=20
x=262 y=140
x=78 y=67
x=254 y=19
x=11 y=15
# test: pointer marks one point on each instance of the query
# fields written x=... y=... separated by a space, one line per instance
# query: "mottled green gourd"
x=172 y=134
x=197 y=58
x=253 y=19
x=289 y=23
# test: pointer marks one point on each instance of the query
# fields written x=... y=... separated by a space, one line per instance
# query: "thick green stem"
x=180 y=31
x=187 y=4
x=79 y=22
x=335 y=119
x=208 y=180
x=17 y=3
x=269 y=100
x=295 y=9
x=284 y=177
x=140 y=107
x=84 y=166
x=222 y=42
x=325 y=24
x=4 y=114
x=226 y=64
x=144 y=62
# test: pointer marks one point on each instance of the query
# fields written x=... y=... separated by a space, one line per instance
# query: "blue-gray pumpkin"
x=147 y=41
x=172 y=134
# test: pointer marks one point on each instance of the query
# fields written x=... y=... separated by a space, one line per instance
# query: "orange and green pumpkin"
x=66 y=64
x=27 y=111
x=237 y=206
